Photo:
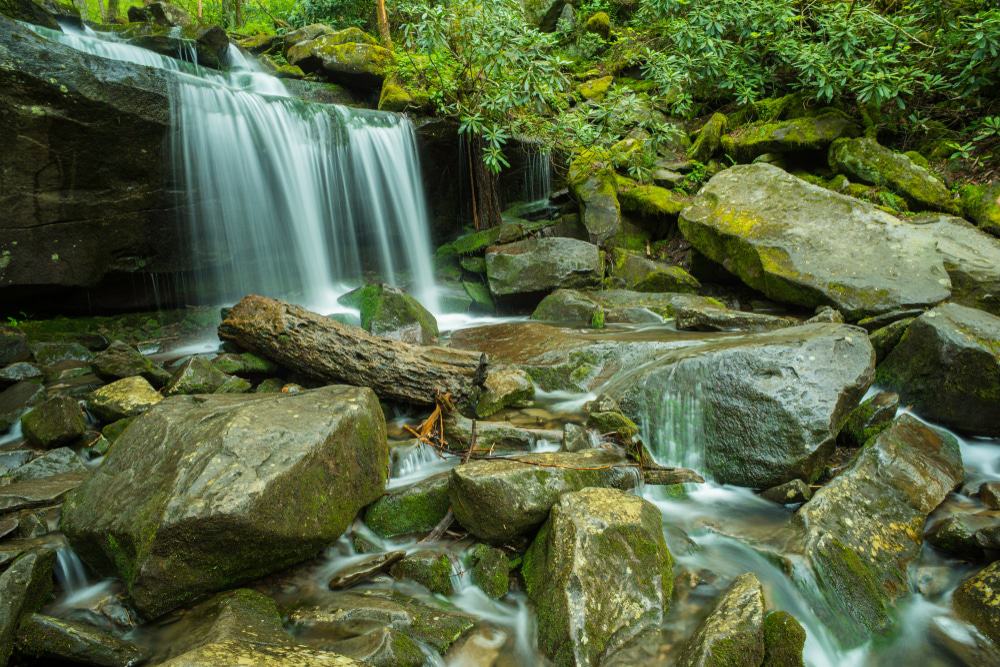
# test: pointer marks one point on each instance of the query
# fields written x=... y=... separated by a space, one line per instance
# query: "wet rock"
x=54 y=422
x=807 y=133
x=863 y=529
x=599 y=573
x=592 y=183
x=19 y=372
x=981 y=204
x=767 y=406
x=9 y=460
x=38 y=492
x=498 y=436
x=884 y=340
x=161 y=13
x=588 y=309
x=865 y=160
x=989 y=493
x=869 y=419
x=13 y=346
x=789 y=493
x=129 y=397
x=54 y=462
x=197 y=494
x=490 y=569
x=414 y=509
x=245 y=365
x=791 y=239
x=24 y=587
x=497 y=500
x=376 y=647
x=577 y=438
x=16 y=399
x=784 y=641
x=708 y=318
x=503 y=388
x=392 y=313
x=733 y=632
x=429 y=568
x=965 y=535
x=31 y=526
x=534 y=266
x=878 y=322
x=366 y=569
x=121 y=360
x=633 y=271
x=113 y=431
x=977 y=601
x=350 y=57
x=947 y=365
x=969 y=648
x=46 y=354
x=197 y=375
x=47 y=638
x=709 y=138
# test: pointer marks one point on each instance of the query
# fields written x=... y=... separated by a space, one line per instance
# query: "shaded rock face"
x=862 y=530
x=201 y=493
x=947 y=365
x=599 y=573
x=791 y=240
x=733 y=632
x=767 y=407
x=75 y=223
x=535 y=266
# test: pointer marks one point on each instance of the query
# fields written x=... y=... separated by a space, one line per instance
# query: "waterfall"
x=538 y=176
x=69 y=571
x=284 y=197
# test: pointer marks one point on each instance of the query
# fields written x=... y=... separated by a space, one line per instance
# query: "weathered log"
x=328 y=351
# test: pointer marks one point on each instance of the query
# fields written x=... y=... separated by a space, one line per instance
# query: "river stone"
x=862 y=530
x=429 y=568
x=24 y=587
x=503 y=388
x=490 y=568
x=593 y=186
x=54 y=462
x=534 y=266
x=599 y=573
x=38 y=492
x=807 y=133
x=865 y=160
x=390 y=312
x=19 y=372
x=16 y=399
x=47 y=638
x=947 y=365
x=886 y=339
x=129 y=397
x=784 y=641
x=789 y=493
x=732 y=635
x=791 y=240
x=414 y=509
x=977 y=601
x=500 y=499
x=197 y=375
x=203 y=492
x=121 y=360
x=766 y=407
x=965 y=535
x=57 y=421
x=586 y=308
x=708 y=318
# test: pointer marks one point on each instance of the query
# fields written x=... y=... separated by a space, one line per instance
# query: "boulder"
x=595 y=89
x=709 y=138
x=490 y=569
x=245 y=364
x=861 y=531
x=791 y=240
x=865 y=160
x=709 y=318
x=976 y=601
x=966 y=535
x=599 y=573
x=784 y=641
x=429 y=568
x=202 y=493
x=594 y=309
x=56 y=421
x=592 y=184
x=54 y=462
x=635 y=272
x=24 y=587
x=500 y=499
x=350 y=57
x=806 y=133
x=503 y=388
x=392 y=313
x=884 y=340
x=306 y=33
x=121 y=360
x=13 y=346
x=161 y=13
x=414 y=509
x=651 y=203
x=16 y=399
x=55 y=640
x=197 y=375
x=733 y=632
x=763 y=408
x=947 y=366
x=129 y=397
x=536 y=266
x=981 y=204
x=789 y=493
x=869 y=419
x=52 y=353
x=19 y=372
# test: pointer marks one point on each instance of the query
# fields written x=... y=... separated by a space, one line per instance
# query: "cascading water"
x=285 y=197
x=538 y=176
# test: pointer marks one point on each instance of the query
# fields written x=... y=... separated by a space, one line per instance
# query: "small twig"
x=472 y=442
x=439 y=529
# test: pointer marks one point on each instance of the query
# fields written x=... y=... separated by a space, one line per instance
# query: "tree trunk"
x=200 y=8
x=112 y=11
x=383 y=24
x=329 y=351
x=484 y=201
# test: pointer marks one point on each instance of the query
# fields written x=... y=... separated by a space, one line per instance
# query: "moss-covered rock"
x=886 y=338
x=599 y=23
x=790 y=493
x=595 y=89
x=201 y=493
x=869 y=419
x=121 y=360
x=399 y=96
x=977 y=601
x=534 y=266
x=649 y=201
x=351 y=57
x=732 y=635
x=245 y=364
x=392 y=313
x=947 y=365
x=490 y=568
x=866 y=160
x=52 y=639
x=582 y=572
x=414 y=509
x=981 y=204
x=197 y=375
x=709 y=138
x=807 y=133
x=784 y=641
x=24 y=587
x=55 y=422
x=482 y=300
x=633 y=271
x=580 y=307
x=592 y=183
x=429 y=568
x=503 y=388
x=129 y=397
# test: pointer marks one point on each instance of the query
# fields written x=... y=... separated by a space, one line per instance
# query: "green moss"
x=595 y=89
x=430 y=569
x=784 y=640
x=648 y=200
x=799 y=134
x=415 y=509
x=490 y=570
x=597 y=320
x=709 y=138
x=667 y=279
x=613 y=422
x=981 y=204
x=851 y=587
x=599 y=23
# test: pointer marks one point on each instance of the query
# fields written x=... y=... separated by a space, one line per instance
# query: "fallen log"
x=328 y=351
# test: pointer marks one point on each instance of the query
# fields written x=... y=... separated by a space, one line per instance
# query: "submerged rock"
x=536 y=266
x=977 y=601
x=500 y=499
x=733 y=632
x=390 y=312
x=767 y=407
x=57 y=421
x=129 y=397
x=863 y=529
x=791 y=240
x=201 y=493
x=52 y=639
x=599 y=573
x=947 y=365
x=806 y=133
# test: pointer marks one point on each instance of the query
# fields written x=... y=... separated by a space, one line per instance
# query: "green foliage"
x=335 y=13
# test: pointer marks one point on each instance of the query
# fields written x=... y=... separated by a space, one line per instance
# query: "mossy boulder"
x=24 y=587
x=350 y=57
x=498 y=500
x=503 y=388
x=649 y=201
x=399 y=96
x=593 y=185
x=869 y=419
x=866 y=160
x=784 y=641
x=791 y=240
x=599 y=23
x=46 y=638
x=390 y=312
x=534 y=267
x=595 y=89
x=429 y=568
x=863 y=529
x=245 y=364
x=633 y=271
x=490 y=568
x=947 y=365
x=599 y=573
x=197 y=375
x=56 y=421
x=885 y=339
x=732 y=635
x=977 y=601
x=414 y=509
x=202 y=493
x=981 y=204
x=121 y=360
x=709 y=138
x=128 y=397
x=582 y=308
x=807 y=133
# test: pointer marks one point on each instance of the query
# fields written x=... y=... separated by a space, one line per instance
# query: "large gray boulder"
x=802 y=244
x=203 y=492
x=733 y=632
x=593 y=187
x=754 y=410
x=535 y=266
x=947 y=366
x=599 y=573
x=862 y=530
